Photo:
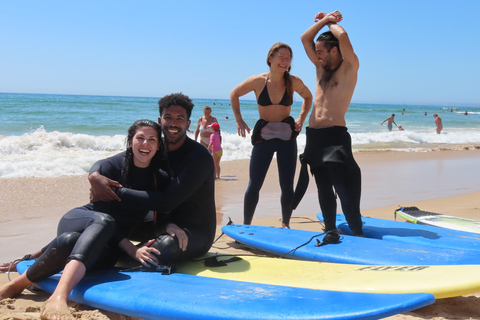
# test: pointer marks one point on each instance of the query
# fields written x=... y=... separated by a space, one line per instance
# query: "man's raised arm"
x=346 y=47
x=308 y=37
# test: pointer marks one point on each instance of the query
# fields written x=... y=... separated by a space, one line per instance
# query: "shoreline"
x=31 y=208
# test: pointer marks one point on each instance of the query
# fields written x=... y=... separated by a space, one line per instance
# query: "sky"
x=410 y=51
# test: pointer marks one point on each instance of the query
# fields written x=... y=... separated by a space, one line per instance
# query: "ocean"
x=49 y=135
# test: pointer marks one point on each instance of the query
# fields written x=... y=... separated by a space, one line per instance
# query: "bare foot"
x=9 y=290
x=56 y=309
x=285 y=226
x=8 y=265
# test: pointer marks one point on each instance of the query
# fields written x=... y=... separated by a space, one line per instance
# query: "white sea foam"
x=42 y=154
x=52 y=154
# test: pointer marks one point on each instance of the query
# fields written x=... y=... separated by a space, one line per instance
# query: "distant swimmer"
x=390 y=120
x=400 y=128
x=438 y=122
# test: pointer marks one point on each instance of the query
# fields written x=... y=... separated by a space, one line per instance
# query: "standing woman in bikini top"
x=276 y=130
x=202 y=126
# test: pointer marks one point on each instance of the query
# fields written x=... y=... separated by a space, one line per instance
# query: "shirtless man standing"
x=328 y=148
x=390 y=120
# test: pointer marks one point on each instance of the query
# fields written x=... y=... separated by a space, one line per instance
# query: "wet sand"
x=444 y=181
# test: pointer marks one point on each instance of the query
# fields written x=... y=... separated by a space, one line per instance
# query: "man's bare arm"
x=308 y=37
x=346 y=47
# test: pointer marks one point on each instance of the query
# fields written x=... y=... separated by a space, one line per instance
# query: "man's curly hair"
x=176 y=99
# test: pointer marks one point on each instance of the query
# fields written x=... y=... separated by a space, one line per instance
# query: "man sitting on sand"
x=188 y=220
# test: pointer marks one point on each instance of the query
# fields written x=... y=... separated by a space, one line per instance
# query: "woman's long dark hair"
x=159 y=161
x=286 y=76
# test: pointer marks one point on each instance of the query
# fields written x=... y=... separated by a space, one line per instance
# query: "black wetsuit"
x=328 y=151
x=91 y=233
x=188 y=202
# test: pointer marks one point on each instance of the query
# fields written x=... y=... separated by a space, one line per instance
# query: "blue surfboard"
x=301 y=244
x=151 y=295
x=413 y=233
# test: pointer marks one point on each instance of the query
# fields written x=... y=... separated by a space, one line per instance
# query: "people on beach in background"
x=215 y=147
x=93 y=236
x=438 y=123
x=186 y=215
x=400 y=128
x=276 y=131
x=202 y=126
x=390 y=120
x=328 y=148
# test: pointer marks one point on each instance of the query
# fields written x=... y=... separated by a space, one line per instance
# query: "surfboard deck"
x=415 y=215
x=151 y=295
x=412 y=233
x=301 y=244
x=461 y=280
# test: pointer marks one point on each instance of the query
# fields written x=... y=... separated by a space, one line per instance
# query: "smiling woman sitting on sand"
x=93 y=236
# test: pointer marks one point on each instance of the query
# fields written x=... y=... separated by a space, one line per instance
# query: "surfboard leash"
x=230 y=222
x=331 y=237
x=302 y=245
x=14 y=263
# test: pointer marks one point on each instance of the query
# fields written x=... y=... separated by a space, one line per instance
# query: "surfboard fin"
x=163 y=269
x=214 y=262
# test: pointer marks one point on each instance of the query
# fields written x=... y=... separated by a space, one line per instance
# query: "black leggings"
x=329 y=152
x=260 y=160
x=82 y=235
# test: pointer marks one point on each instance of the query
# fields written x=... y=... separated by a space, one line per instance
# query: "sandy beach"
x=440 y=181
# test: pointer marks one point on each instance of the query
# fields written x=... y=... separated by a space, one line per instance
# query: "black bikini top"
x=264 y=98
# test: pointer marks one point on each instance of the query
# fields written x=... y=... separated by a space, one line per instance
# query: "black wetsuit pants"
x=328 y=151
x=199 y=243
x=199 y=240
x=83 y=235
x=260 y=160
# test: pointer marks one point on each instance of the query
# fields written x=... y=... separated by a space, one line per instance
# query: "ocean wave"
x=52 y=154
x=416 y=140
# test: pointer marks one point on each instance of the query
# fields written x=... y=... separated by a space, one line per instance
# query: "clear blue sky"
x=410 y=51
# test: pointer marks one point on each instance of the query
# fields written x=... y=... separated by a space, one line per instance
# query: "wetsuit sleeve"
x=197 y=169
x=96 y=166
x=109 y=167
